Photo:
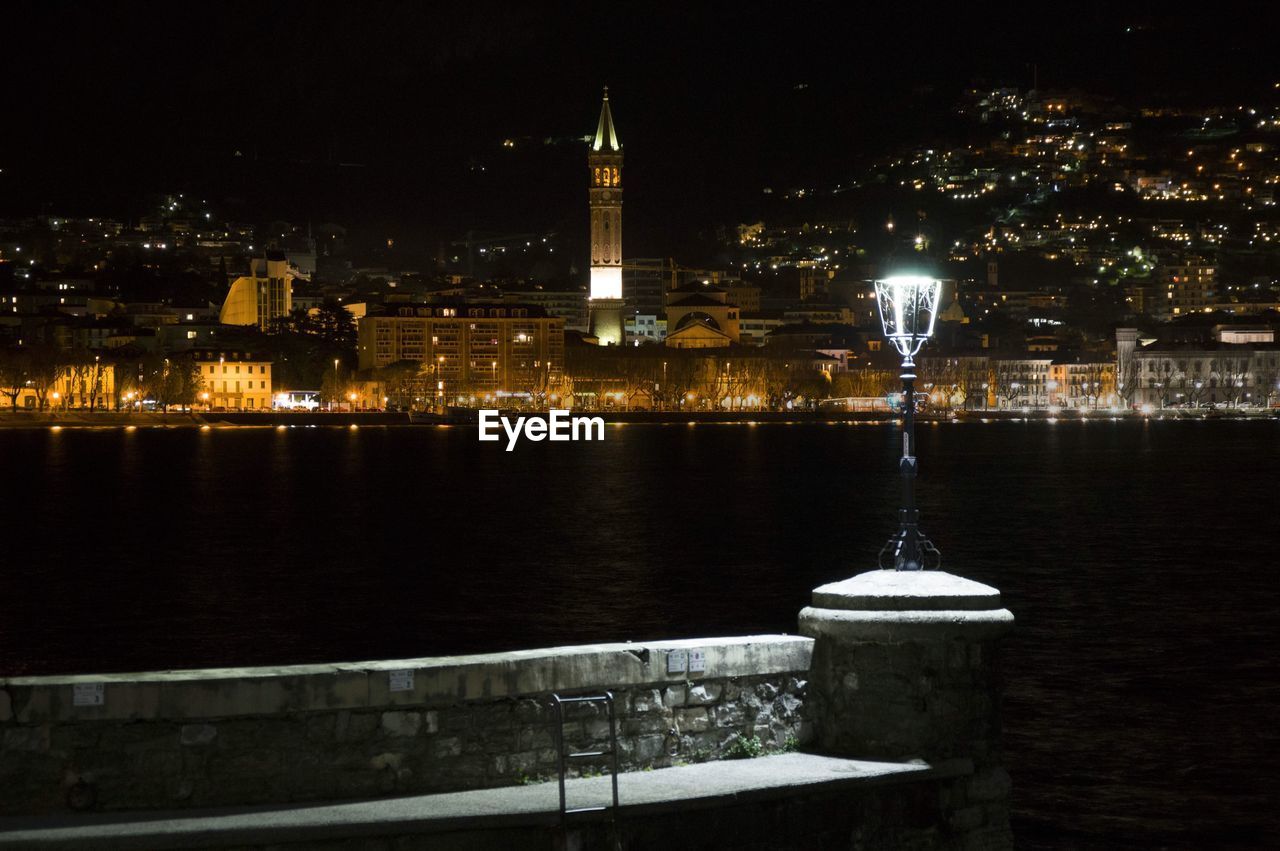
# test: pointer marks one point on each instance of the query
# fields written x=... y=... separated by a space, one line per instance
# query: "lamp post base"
x=909 y=549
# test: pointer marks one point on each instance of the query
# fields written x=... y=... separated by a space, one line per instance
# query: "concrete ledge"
x=642 y=794
x=437 y=681
x=902 y=626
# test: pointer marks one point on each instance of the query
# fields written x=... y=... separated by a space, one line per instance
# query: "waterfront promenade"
x=709 y=805
x=197 y=419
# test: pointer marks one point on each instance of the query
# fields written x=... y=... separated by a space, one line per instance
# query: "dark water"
x=1139 y=559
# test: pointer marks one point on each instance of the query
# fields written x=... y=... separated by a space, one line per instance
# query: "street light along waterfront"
x=907 y=306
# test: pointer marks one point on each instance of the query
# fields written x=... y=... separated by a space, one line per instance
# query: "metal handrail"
x=564 y=755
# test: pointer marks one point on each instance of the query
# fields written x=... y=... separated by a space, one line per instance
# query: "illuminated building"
x=646 y=328
x=266 y=293
x=1080 y=382
x=1187 y=288
x=814 y=283
x=1019 y=381
x=754 y=328
x=468 y=348
x=604 y=162
x=954 y=312
x=569 y=305
x=85 y=385
x=1206 y=374
x=645 y=281
x=704 y=319
x=233 y=380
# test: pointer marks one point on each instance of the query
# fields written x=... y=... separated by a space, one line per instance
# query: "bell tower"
x=604 y=164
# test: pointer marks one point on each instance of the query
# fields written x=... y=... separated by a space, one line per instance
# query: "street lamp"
x=908 y=305
x=336 y=388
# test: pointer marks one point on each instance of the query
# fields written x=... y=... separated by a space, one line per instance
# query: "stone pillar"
x=905 y=666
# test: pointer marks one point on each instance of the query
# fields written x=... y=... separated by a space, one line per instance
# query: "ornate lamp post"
x=908 y=305
x=907 y=619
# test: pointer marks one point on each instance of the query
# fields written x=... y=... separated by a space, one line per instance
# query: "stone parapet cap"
x=906 y=590
x=435 y=681
x=904 y=626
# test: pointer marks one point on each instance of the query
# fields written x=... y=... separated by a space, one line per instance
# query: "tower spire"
x=606 y=137
x=604 y=164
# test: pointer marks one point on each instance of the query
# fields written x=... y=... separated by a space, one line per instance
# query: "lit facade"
x=1191 y=287
x=266 y=293
x=1081 y=383
x=569 y=305
x=85 y=385
x=1018 y=382
x=646 y=328
x=468 y=349
x=1206 y=375
x=234 y=380
x=703 y=320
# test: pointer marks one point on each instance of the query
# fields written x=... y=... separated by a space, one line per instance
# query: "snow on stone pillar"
x=905 y=666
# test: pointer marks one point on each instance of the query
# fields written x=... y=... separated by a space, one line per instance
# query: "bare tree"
x=334 y=386
x=679 y=378
x=1165 y=376
x=638 y=381
x=1092 y=379
x=46 y=364
x=129 y=380
x=174 y=382
x=13 y=373
x=944 y=380
x=1196 y=390
x=1009 y=386
x=1128 y=381
x=95 y=382
x=1266 y=377
x=1232 y=371
x=405 y=382
x=85 y=378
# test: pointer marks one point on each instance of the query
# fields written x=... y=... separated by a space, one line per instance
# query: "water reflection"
x=1141 y=685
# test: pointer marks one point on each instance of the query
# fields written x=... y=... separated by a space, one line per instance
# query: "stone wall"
x=315 y=732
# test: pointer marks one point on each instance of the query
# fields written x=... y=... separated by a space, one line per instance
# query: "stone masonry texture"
x=357 y=753
x=930 y=700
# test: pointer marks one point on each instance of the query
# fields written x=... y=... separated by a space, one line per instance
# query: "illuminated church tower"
x=605 y=165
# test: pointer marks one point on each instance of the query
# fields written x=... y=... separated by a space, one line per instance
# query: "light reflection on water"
x=1137 y=557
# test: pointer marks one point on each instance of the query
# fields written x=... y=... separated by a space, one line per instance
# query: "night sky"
x=391 y=117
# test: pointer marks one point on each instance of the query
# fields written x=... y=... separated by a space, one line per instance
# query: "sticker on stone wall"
x=697 y=661
x=401 y=680
x=677 y=661
x=88 y=694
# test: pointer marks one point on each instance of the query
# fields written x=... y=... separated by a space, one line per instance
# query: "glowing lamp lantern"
x=908 y=306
